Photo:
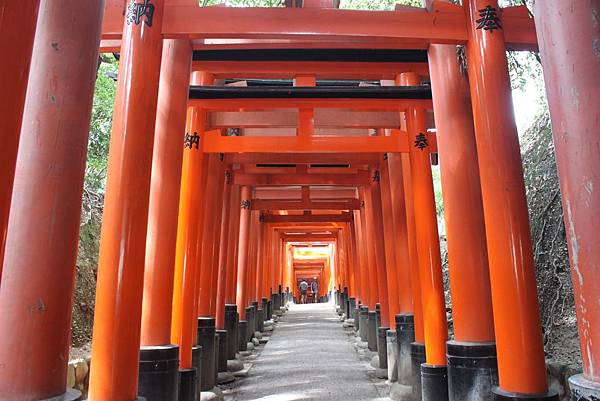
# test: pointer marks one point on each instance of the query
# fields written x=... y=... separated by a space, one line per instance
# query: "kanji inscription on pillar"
x=136 y=12
x=376 y=176
x=489 y=20
x=246 y=204
x=421 y=141
x=191 y=140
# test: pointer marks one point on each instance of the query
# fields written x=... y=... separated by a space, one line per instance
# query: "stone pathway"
x=308 y=357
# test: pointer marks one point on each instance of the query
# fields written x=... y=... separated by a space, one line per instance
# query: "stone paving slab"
x=308 y=357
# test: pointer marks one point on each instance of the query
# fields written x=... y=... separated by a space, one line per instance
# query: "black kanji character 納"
x=137 y=11
x=191 y=140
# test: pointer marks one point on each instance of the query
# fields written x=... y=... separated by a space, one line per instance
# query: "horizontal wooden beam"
x=269 y=104
x=321 y=70
x=309 y=238
x=303 y=158
x=361 y=178
x=323 y=118
x=308 y=218
x=281 y=204
x=395 y=143
x=414 y=28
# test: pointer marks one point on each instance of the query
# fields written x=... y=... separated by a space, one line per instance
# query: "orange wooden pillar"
x=116 y=341
x=467 y=252
x=161 y=238
x=377 y=231
x=189 y=237
x=210 y=234
x=374 y=290
x=232 y=257
x=244 y=239
x=521 y=365
x=17 y=30
x=42 y=236
x=434 y=371
x=217 y=229
x=570 y=70
x=387 y=222
x=224 y=249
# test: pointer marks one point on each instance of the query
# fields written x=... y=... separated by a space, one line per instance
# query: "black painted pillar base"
x=255 y=327
x=265 y=308
x=356 y=317
x=418 y=357
x=434 y=381
x=345 y=303
x=71 y=395
x=188 y=385
x=197 y=364
x=405 y=333
x=222 y=338
x=583 y=389
x=363 y=326
x=242 y=335
x=351 y=307
x=251 y=319
x=372 y=331
x=260 y=320
x=207 y=340
x=231 y=326
x=274 y=304
x=269 y=310
x=378 y=315
x=159 y=373
x=552 y=395
x=382 y=346
x=472 y=371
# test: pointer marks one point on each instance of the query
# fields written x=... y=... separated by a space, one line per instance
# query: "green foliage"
x=377 y=4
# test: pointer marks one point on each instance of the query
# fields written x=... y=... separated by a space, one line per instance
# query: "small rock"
x=375 y=362
x=234 y=365
x=225 y=377
x=269 y=328
x=256 y=342
x=258 y=335
x=81 y=371
x=210 y=396
x=400 y=392
x=250 y=346
x=381 y=373
x=263 y=340
x=245 y=353
x=71 y=376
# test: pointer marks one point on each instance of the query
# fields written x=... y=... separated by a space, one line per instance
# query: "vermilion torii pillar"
x=17 y=30
x=224 y=248
x=37 y=290
x=474 y=343
x=116 y=341
x=163 y=212
x=244 y=239
x=521 y=365
x=434 y=371
x=375 y=223
x=569 y=38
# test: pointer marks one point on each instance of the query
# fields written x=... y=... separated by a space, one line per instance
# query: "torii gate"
x=161 y=43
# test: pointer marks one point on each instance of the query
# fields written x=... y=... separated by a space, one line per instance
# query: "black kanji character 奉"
x=246 y=204
x=137 y=11
x=191 y=140
x=489 y=19
x=421 y=141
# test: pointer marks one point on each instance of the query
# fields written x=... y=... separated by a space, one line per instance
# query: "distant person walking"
x=314 y=287
x=303 y=290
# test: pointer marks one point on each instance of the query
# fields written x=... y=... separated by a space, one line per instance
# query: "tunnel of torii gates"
x=305 y=127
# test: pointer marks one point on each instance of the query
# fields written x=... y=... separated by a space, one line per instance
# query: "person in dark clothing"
x=314 y=287
x=303 y=290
